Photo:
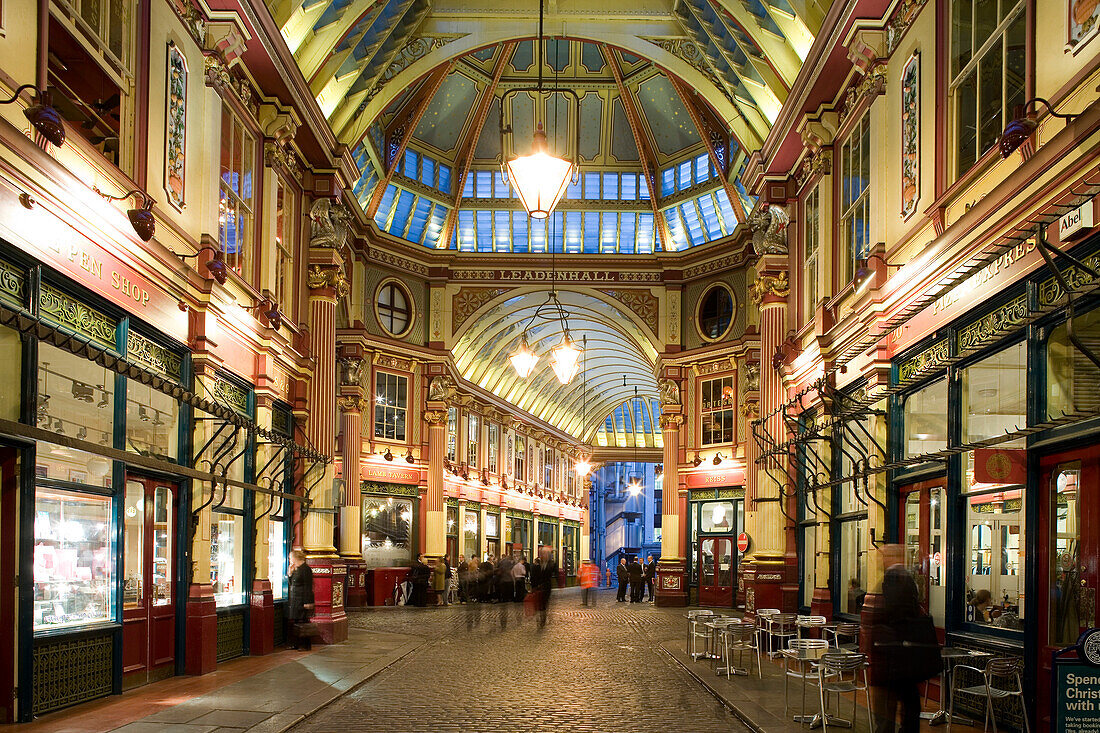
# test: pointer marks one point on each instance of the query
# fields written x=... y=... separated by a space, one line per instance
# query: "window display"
x=227 y=558
x=717 y=516
x=470 y=545
x=73 y=560
x=853 y=564
x=277 y=557
x=76 y=397
x=152 y=422
x=925 y=426
x=387 y=531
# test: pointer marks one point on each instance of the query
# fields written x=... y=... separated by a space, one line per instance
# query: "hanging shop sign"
x=390 y=474
x=719 y=477
x=1076 y=223
x=1076 y=683
x=1000 y=465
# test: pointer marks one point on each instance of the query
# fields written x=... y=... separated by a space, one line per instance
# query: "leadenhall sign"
x=581 y=276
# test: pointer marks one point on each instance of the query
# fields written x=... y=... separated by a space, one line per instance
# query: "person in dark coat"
x=636 y=574
x=542 y=580
x=485 y=579
x=650 y=574
x=299 y=604
x=623 y=578
x=419 y=575
x=900 y=607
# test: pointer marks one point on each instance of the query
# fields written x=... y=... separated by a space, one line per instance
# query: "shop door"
x=149 y=586
x=1069 y=547
x=921 y=533
x=716 y=571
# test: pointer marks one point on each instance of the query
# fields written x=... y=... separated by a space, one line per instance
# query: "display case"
x=227 y=559
x=73 y=560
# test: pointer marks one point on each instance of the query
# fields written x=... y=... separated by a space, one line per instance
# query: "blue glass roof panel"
x=419 y=220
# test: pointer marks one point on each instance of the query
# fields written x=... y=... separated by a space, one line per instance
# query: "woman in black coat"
x=299 y=604
x=419 y=574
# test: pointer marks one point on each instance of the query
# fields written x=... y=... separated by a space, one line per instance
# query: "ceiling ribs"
x=468 y=140
x=645 y=151
x=401 y=130
x=317 y=50
x=707 y=130
x=779 y=52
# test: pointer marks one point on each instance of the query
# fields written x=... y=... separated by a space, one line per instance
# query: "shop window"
x=76 y=397
x=988 y=73
x=471 y=540
x=994 y=393
x=286 y=230
x=11 y=374
x=152 y=421
x=548 y=469
x=227 y=543
x=716 y=516
x=235 y=204
x=1073 y=382
x=387 y=531
x=716 y=407
x=473 y=435
x=811 y=232
x=492 y=526
x=521 y=459
x=852 y=560
x=1066 y=621
x=494 y=447
x=548 y=537
x=452 y=520
x=855 y=445
x=393 y=308
x=570 y=539
x=74 y=559
x=715 y=314
x=390 y=406
x=277 y=551
x=809 y=563
x=855 y=198
x=925 y=417
x=452 y=434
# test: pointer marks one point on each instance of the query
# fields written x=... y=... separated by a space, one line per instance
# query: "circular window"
x=715 y=315
x=393 y=308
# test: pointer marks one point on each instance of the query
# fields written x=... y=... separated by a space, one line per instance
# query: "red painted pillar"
x=202 y=630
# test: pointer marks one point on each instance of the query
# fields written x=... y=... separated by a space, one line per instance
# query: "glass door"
x=149 y=587
x=1069 y=546
x=716 y=571
x=921 y=533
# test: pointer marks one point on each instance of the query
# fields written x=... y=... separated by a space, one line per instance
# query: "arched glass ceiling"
x=616 y=347
x=635 y=422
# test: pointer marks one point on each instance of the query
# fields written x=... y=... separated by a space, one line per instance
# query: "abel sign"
x=1077 y=686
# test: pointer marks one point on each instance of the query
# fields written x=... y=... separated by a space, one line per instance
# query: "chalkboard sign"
x=1076 y=682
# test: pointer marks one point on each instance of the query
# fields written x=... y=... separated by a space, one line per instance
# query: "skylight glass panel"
x=484 y=188
x=468 y=187
x=668 y=181
x=643 y=189
x=555 y=231
x=538 y=235
x=427 y=172
x=683 y=176
x=401 y=212
x=500 y=188
x=592 y=232
x=677 y=234
x=610 y=186
x=573 y=190
x=620 y=421
x=435 y=226
x=419 y=220
x=609 y=231
x=467 y=237
x=629 y=189
x=694 y=226
x=410 y=164
x=709 y=214
x=702 y=168
x=572 y=231
x=386 y=205
x=444 y=178
x=726 y=209
x=646 y=238
x=502 y=234
x=592 y=186
x=484 y=231
x=519 y=231
x=627 y=232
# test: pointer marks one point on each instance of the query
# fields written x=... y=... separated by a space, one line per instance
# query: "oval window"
x=715 y=312
x=393 y=308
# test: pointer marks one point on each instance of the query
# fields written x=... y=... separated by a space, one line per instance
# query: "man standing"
x=636 y=574
x=650 y=574
x=463 y=579
x=623 y=577
x=590 y=577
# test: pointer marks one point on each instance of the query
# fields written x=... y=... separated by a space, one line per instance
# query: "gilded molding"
x=671 y=421
x=901 y=21
x=351 y=371
x=279 y=155
x=819 y=163
x=766 y=285
x=641 y=303
x=435 y=417
x=219 y=76
x=328 y=277
x=750 y=409
x=872 y=84
x=669 y=392
x=993 y=325
x=393 y=362
x=467 y=300
x=935 y=355
x=388 y=258
x=352 y=404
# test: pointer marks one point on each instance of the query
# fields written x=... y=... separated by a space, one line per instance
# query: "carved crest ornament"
x=768 y=223
x=766 y=285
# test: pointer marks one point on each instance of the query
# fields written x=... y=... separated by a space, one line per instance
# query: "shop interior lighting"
x=141 y=219
x=43 y=117
x=215 y=267
x=1022 y=126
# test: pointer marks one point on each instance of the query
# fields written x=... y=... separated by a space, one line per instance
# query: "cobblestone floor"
x=488 y=668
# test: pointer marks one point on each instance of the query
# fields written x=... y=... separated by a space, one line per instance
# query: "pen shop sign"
x=1076 y=682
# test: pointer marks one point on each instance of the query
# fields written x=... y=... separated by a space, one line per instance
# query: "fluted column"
x=767 y=584
x=671 y=568
x=435 y=519
x=351 y=517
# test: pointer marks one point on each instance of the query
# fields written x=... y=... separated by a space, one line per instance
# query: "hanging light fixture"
x=635 y=486
x=583 y=465
x=141 y=219
x=539 y=178
x=523 y=358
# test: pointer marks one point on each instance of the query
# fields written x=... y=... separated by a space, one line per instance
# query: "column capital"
x=770 y=289
x=435 y=417
x=327 y=280
x=352 y=403
x=671 y=421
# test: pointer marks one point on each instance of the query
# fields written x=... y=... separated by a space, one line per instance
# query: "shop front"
x=716 y=517
x=389 y=536
x=518 y=532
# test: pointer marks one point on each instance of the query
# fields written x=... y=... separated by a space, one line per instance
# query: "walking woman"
x=299 y=605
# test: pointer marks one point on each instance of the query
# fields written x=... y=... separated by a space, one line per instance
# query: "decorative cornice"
x=769 y=285
x=392 y=362
x=872 y=84
x=692 y=54
x=714 y=367
x=750 y=409
x=387 y=258
x=352 y=404
x=819 y=163
x=467 y=300
x=192 y=18
x=899 y=23
x=279 y=155
x=641 y=303
x=435 y=417
x=225 y=80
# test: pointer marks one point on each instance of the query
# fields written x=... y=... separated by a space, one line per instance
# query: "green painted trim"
x=13 y=284
x=994 y=326
x=60 y=309
x=925 y=361
x=153 y=356
x=520 y=514
x=227 y=393
x=731 y=493
x=702 y=494
x=384 y=488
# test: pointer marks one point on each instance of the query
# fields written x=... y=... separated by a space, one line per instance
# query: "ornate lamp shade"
x=539 y=178
x=523 y=359
x=565 y=360
x=1015 y=134
x=46 y=120
x=142 y=220
x=582 y=467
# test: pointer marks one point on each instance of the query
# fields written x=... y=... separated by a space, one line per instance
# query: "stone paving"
x=488 y=668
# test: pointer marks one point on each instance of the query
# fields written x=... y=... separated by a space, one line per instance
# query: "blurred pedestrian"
x=519 y=580
x=636 y=574
x=419 y=575
x=463 y=579
x=650 y=574
x=590 y=577
x=439 y=581
x=547 y=571
x=299 y=605
x=506 y=586
x=622 y=577
x=485 y=580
